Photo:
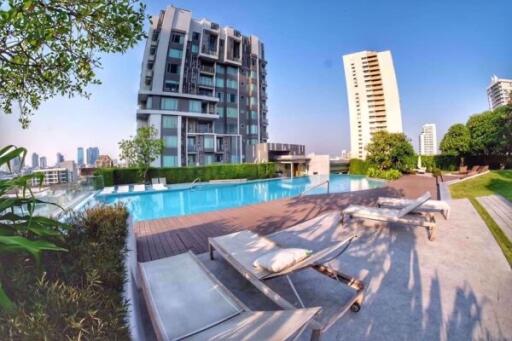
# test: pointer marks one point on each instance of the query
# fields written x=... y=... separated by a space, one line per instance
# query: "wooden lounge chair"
x=472 y=171
x=185 y=301
x=427 y=206
x=392 y=215
x=463 y=170
x=107 y=190
x=139 y=188
x=241 y=249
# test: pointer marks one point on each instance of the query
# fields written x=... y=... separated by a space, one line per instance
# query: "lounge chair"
x=107 y=190
x=392 y=215
x=427 y=206
x=474 y=170
x=159 y=187
x=463 y=170
x=483 y=169
x=163 y=181
x=123 y=189
x=154 y=181
x=139 y=188
x=185 y=301
x=242 y=249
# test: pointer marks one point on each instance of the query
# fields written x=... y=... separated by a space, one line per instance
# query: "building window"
x=195 y=48
x=233 y=71
x=205 y=80
x=220 y=96
x=170 y=161
x=252 y=101
x=220 y=111
x=177 y=38
x=194 y=106
x=169 y=104
x=232 y=112
x=232 y=128
x=170 y=141
x=175 y=53
x=219 y=82
x=152 y=50
x=232 y=84
x=219 y=69
x=254 y=115
x=208 y=159
x=170 y=122
x=171 y=85
x=232 y=98
x=173 y=68
x=149 y=102
x=208 y=142
x=195 y=36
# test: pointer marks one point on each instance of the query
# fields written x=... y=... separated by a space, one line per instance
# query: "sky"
x=444 y=53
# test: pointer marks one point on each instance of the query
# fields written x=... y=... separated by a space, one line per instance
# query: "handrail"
x=193 y=182
x=316 y=186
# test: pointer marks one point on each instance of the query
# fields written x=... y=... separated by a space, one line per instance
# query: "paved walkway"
x=454 y=288
x=500 y=210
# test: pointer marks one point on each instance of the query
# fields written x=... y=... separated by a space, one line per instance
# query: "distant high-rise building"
x=80 y=156
x=35 y=160
x=60 y=157
x=428 y=139
x=92 y=155
x=15 y=164
x=104 y=161
x=43 y=163
x=499 y=92
x=373 y=100
x=203 y=87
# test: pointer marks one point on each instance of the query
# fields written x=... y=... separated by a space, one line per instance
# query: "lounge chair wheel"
x=355 y=307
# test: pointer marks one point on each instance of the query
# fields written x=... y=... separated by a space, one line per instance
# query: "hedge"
x=358 y=167
x=122 y=176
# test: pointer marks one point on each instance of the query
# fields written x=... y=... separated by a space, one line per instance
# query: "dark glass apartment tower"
x=203 y=88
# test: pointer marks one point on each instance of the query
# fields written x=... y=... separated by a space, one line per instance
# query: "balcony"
x=207 y=69
x=191 y=148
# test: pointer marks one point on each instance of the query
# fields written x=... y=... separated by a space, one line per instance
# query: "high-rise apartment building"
x=60 y=158
x=35 y=160
x=43 y=163
x=428 y=140
x=499 y=92
x=80 y=156
x=203 y=87
x=92 y=154
x=373 y=100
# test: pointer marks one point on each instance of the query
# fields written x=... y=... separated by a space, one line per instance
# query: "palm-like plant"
x=20 y=230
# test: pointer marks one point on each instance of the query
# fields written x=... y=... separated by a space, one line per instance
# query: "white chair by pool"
x=139 y=188
x=107 y=190
x=159 y=187
x=123 y=189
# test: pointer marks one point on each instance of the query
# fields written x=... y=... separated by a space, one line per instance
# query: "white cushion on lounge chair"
x=107 y=190
x=429 y=205
x=123 y=189
x=280 y=259
x=139 y=188
x=371 y=211
x=159 y=187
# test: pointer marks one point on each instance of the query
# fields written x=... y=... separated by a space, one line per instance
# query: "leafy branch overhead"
x=52 y=47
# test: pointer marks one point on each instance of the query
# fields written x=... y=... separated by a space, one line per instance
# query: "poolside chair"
x=392 y=215
x=123 y=189
x=163 y=181
x=154 y=181
x=159 y=187
x=139 y=188
x=427 y=206
x=107 y=190
x=185 y=301
x=242 y=249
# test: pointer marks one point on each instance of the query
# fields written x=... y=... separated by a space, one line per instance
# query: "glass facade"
x=194 y=106
x=169 y=104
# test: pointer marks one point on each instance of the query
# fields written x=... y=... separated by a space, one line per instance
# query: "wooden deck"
x=170 y=236
x=500 y=210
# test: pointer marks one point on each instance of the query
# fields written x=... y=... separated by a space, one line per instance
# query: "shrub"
x=358 y=167
x=390 y=174
x=250 y=171
x=80 y=296
x=390 y=151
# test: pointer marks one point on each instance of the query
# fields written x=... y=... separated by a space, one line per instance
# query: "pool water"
x=212 y=197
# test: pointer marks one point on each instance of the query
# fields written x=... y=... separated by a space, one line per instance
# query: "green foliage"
x=499 y=182
x=358 y=167
x=390 y=151
x=121 y=176
x=51 y=48
x=80 y=295
x=141 y=150
x=390 y=174
x=20 y=231
x=486 y=132
x=456 y=141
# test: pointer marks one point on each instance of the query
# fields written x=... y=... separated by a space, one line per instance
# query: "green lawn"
x=495 y=182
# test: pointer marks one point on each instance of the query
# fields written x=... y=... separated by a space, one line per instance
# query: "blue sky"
x=444 y=54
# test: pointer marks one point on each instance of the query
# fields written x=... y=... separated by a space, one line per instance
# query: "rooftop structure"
x=203 y=87
x=53 y=176
x=499 y=92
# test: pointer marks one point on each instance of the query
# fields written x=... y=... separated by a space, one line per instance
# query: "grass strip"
x=502 y=240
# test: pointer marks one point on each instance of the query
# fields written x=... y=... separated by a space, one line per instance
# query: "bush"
x=391 y=151
x=80 y=296
x=121 y=176
x=358 y=167
x=390 y=174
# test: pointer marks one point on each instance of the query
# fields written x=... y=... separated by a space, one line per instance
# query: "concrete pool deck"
x=456 y=287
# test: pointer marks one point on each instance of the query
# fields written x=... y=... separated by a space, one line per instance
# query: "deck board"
x=500 y=209
x=165 y=237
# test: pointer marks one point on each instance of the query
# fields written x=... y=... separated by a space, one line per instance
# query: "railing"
x=193 y=184
x=316 y=186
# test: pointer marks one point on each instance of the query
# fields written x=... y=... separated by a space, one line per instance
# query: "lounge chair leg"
x=315 y=335
x=210 y=249
x=295 y=291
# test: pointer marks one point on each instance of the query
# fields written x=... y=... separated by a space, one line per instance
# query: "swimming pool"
x=212 y=197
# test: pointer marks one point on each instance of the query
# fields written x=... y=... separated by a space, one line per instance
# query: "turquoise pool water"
x=209 y=197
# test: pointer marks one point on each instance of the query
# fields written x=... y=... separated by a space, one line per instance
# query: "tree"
x=486 y=131
x=51 y=47
x=141 y=150
x=456 y=141
x=390 y=151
